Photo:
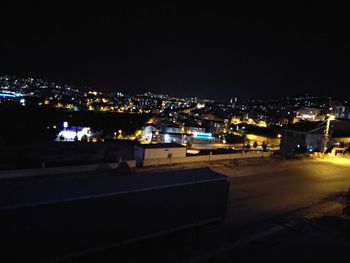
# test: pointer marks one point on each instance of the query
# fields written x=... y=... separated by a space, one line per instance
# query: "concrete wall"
x=139 y=155
x=157 y=153
x=314 y=142
x=61 y=170
x=132 y=163
x=203 y=158
x=291 y=139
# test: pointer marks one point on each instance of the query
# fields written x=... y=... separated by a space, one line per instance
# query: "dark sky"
x=212 y=51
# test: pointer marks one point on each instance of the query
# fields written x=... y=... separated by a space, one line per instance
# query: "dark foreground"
x=268 y=220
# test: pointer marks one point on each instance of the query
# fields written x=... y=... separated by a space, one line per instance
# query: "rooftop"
x=161 y=145
x=338 y=128
x=305 y=126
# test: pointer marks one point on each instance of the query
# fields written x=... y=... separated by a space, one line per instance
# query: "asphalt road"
x=281 y=187
x=266 y=188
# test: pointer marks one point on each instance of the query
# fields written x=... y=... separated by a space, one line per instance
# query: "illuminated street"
x=264 y=189
x=283 y=187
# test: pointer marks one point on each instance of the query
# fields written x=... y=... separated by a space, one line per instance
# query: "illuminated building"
x=307 y=114
x=69 y=134
x=342 y=112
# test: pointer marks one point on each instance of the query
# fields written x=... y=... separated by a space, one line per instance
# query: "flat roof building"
x=158 y=151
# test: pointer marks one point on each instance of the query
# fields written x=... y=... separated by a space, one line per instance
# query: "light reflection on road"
x=337 y=160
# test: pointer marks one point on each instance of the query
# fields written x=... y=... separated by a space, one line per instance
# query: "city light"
x=202 y=135
x=73 y=134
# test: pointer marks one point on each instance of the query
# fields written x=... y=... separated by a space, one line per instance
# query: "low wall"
x=61 y=170
x=55 y=154
x=204 y=158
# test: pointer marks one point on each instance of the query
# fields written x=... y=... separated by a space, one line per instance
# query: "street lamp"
x=326 y=134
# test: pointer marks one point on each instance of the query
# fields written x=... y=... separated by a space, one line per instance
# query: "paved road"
x=281 y=187
x=259 y=194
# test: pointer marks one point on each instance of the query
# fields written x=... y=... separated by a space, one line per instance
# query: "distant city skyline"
x=228 y=100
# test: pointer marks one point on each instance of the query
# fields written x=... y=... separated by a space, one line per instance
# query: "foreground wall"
x=139 y=209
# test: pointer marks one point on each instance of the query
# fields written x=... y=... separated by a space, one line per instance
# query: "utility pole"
x=326 y=134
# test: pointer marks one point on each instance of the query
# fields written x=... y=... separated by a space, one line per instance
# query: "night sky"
x=209 y=51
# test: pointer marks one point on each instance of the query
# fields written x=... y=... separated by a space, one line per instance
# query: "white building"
x=158 y=151
x=148 y=133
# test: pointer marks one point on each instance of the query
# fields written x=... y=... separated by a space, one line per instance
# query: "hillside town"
x=290 y=124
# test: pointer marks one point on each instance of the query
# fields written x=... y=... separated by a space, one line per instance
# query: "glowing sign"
x=9 y=94
x=202 y=135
